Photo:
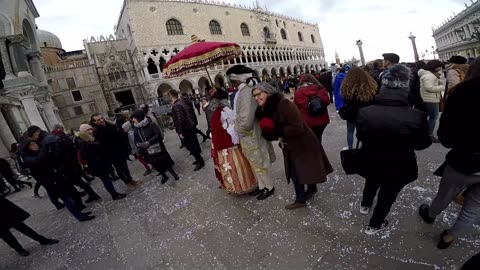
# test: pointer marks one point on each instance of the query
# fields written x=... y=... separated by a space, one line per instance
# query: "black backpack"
x=315 y=106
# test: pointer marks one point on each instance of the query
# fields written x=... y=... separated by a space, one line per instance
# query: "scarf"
x=142 y=123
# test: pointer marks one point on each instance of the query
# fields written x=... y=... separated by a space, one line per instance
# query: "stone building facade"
x=459 y=35
x=24 y=91
x=274 y=45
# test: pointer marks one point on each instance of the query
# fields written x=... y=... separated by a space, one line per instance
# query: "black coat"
x=326 y=80
x=152 y=134
x=92 y=152
x=391 y=131
x=459 y=127
x=113 y=140
x=10 y=214
x=182 y=117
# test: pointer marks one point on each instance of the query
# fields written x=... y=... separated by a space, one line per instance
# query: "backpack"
x=315 y=106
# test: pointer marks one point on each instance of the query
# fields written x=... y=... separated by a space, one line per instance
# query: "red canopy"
x=199 y=55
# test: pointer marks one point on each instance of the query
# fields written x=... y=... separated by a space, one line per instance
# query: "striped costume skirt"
x=234 y=171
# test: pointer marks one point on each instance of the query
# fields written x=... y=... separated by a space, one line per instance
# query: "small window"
x=283 y=33
x=313 y=38
x=78 y=110
x=215 y=28
x=245 y=31
x=266 y=33
x=174 y=27
x=71 y=83
x=300 y=37
x=77 y=96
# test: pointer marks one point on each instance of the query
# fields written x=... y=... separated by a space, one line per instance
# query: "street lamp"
x=359 y=44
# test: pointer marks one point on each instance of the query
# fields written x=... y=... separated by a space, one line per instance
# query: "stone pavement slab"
x=191 y=224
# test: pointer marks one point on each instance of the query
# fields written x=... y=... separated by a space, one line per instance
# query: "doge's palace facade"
x=273 y=45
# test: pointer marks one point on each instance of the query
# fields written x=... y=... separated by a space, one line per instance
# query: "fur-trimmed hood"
x=85 y=136
x=397 y=76
x=461 y=67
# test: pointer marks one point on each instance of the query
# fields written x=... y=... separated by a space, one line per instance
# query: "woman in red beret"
x=305 y=160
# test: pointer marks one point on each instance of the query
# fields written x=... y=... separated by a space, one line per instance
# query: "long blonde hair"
x=359 y=84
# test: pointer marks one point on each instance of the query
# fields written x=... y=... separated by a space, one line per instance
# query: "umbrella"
x=199 y=56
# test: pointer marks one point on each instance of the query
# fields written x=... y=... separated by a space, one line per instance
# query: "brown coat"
x=299 y=143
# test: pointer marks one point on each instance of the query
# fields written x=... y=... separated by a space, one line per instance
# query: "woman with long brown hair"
x=358 y=90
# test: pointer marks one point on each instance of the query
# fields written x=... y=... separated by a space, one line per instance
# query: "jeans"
x=122 y=170
x=350 y=132
x=107 y=183
x=452 y=183
x=470 y=213
x=387 y=194
x=10 y=239
x=432 y=115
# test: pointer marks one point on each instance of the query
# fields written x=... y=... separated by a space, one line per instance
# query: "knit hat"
x=397 y=76
x=457 y=59
x=392 y=57
x=264 y=87
x=139 y=115
x=32 y=129
x=85 y=127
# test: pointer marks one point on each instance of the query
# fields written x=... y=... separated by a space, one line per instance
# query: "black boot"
x=174 y=174
x=164 y=178
x=22 y=252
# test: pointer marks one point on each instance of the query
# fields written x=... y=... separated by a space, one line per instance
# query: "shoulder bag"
x=352 y=160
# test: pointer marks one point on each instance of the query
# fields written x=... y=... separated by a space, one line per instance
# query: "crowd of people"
x=392 y=108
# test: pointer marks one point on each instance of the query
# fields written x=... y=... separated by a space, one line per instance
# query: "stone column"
x=17 y=116
x=18 y=51
x=49 y=110
x=5 y=133
x=30 y=106
x=6 y=60
x=36 y=68
x=24 y=116
x=147 y=75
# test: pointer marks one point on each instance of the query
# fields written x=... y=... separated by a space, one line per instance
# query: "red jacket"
x=301 y=100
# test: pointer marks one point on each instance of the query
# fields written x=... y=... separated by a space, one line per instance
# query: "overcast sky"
x=383 y=26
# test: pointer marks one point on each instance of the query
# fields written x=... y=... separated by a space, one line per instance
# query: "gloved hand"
x=267 y=125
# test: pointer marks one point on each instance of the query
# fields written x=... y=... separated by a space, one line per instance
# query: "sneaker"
x=364 y=210
x=423 y=212
x=372 y=230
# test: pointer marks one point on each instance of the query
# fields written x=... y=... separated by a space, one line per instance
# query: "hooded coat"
x=337 y=92
x=302 y=96
x=299 y=144
x=430 y=86
x=455 y=75
x=390 y=131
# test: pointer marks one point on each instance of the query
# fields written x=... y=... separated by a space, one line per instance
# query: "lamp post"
x=362 y=58
x=414 y=45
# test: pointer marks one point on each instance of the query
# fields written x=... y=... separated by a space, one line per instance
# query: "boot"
x=22 y=252
x=174 y=174
x=164 y=178
x=85 y=218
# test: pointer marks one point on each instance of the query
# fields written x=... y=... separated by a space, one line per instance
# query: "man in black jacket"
x=116 y=148
x=188 y=101
x=326 y=80
x=185 y=127
x=460 y=131
x=390 y=132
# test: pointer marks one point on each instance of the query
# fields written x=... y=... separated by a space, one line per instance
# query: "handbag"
x=352 y=160
x=154 y=149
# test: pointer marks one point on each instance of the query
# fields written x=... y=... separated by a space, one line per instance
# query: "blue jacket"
x=337 y=93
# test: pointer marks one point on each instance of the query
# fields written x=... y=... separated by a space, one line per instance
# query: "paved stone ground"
x=191 y=224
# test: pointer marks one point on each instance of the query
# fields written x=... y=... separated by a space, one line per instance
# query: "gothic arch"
x=6 y=26
x=289 y=70
x=274 y=72
x=186 y=86
x=282 y=72
x=163 y=88
x=202 y=83
x=219 y=81
x=29 y=34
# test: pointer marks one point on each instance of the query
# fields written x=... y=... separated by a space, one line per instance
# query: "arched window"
x=152 y=68
x=276 y=21
x=300 y=37
x=215 y=28
x=313 y=38
x=283 y=33
x=174 y=27
x=284 y=24
x=116 y=72
x=245 y=31
x=266 y=32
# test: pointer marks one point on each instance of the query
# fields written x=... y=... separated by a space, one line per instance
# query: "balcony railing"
x=63 y=66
